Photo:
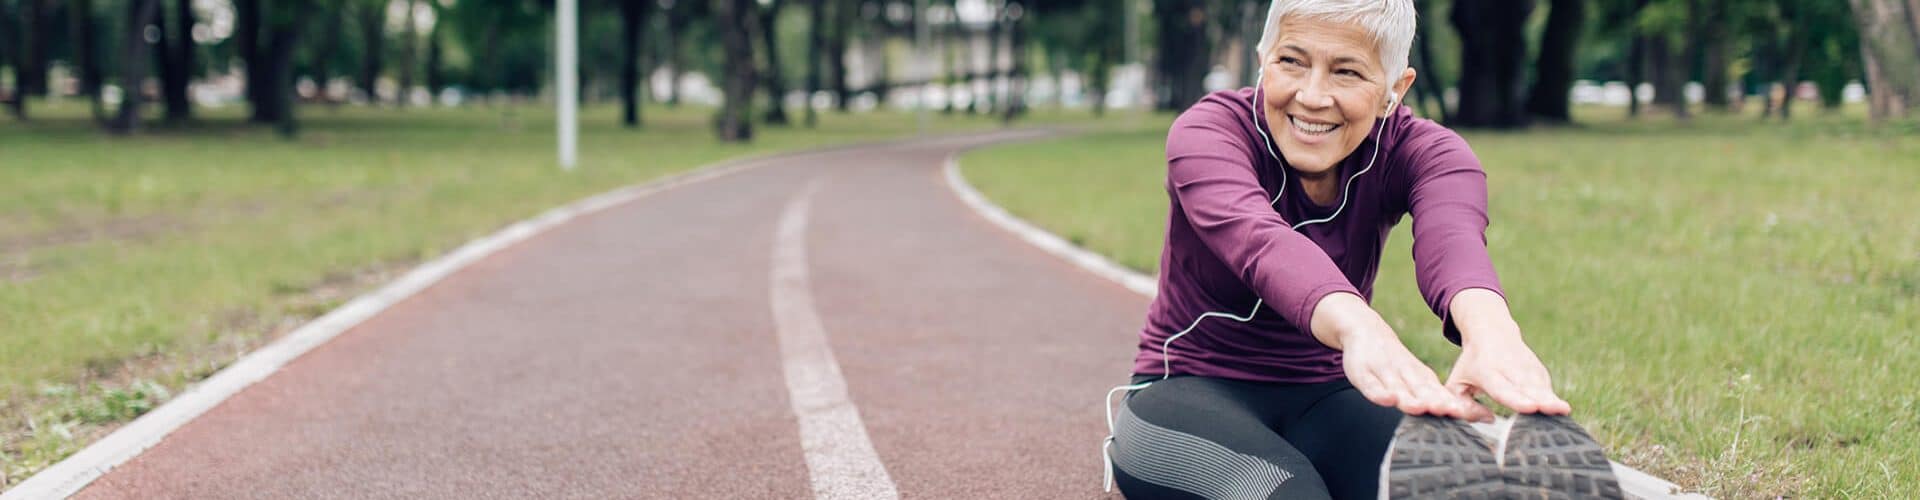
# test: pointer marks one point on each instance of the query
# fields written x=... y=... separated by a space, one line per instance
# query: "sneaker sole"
x=1551 y=457
x=1435 y=457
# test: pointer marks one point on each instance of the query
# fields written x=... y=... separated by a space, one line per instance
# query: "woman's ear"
x=1400 y=87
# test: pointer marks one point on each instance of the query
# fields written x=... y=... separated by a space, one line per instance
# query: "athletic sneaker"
x=1438 y=457
x=1535 y=457
x=1551 y=457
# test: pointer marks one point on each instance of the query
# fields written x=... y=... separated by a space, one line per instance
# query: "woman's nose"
x=1313 y=94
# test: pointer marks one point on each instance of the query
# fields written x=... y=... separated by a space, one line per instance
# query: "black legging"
x=1188 y=437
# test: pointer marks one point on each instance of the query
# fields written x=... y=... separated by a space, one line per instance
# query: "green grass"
x=1730 y=305
x=133 y=266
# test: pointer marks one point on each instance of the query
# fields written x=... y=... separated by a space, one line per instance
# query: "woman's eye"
x=1291 y=61
x=1349 y=73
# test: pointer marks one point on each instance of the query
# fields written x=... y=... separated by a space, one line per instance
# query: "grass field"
x=130 y=267
x=1729 y=305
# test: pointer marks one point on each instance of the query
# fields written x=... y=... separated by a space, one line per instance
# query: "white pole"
x=568 y=81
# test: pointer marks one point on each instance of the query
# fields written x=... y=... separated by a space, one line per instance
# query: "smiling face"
x=1325 y=86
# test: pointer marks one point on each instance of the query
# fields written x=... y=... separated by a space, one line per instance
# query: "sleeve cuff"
x=1302 y=316
x=1447 y=327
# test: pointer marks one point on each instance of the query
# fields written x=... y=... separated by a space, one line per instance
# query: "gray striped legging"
x=1188 y=437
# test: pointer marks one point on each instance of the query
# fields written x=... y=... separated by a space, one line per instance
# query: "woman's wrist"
x=1343 y=319
x=1482 y=317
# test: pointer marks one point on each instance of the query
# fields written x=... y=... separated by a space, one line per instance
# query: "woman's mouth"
x=1310 y=127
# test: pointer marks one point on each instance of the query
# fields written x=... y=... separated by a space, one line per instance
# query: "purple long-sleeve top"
x=1228 y=246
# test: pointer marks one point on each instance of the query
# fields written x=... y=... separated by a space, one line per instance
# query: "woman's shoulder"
x=1220 y=107
x=1223 y=116
x=1419 y=144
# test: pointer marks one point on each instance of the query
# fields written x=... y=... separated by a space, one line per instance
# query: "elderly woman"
x=1262 y=371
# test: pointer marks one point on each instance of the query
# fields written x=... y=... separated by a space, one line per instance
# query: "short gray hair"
x=1391 y=23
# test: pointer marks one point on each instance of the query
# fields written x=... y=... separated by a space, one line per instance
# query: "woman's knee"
x=1212 y=449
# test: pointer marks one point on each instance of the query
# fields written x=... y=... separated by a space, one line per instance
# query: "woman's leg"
x=1346 y=437
x=1198 y=436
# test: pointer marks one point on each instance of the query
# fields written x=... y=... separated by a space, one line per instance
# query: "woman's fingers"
x=1506 y=392
x=1406 y=400
x=1370 y=386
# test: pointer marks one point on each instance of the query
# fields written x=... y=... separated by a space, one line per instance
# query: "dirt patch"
x=112 y=229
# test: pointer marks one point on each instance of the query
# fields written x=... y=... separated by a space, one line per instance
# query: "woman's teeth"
x=1312 y=128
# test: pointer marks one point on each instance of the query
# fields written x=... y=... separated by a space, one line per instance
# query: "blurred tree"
x=1559 y=42
x=736 y=19
x=1015 y=19
x=134 y=54
x=1185 y=53
x=633 y=20
x=409 y=52
x=325 y=53
x=1492 y=59
x=371 y=16
x=174 y=57
x=769 y=14
x=1890 y=49
x=1432 y=86
x=844 y=16
x=1081 y=34
x=816 y=52
x=86 y=55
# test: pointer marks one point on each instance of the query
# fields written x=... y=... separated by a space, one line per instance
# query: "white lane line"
x=1636 y=483
x=840 y=459
x=77 y=471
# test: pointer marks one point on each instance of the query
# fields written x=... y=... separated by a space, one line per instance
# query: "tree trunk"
x=1669 y=75
x=277 y=96
x=1492 y=62
x=1890 y=51
x=373 y=20
x=246 y=39
x=843 y=14
x=633 y=19
x=436 y=78
x=1431 y=86
x=776 y=79
x=735 y=123
x=816 y=48
x=1251 y=19
x=330 y=33
x=1559 y=42
x=409 y=47
x=1184 y=55
x=1636 y=71
x=676 y=64
x=181 y=50
x=1707 y=46
x=86 y=56
x=134 y=54
x=1790 y=71
x=1017 y=52
x=30 y=63
x=10 y=50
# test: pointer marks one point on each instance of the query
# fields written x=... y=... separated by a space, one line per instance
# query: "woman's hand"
x=1495 y=361
x=1380 y=366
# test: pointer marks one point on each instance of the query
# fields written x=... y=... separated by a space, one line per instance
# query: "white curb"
x=1636 y=484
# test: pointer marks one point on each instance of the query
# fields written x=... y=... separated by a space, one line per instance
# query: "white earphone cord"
x=1166 y=357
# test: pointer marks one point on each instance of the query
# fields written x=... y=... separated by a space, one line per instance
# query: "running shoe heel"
x=1551 y=457
x=1440 y=458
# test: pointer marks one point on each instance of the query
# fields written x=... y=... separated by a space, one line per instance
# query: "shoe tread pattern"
x=1442 y=458
x=1551 y=457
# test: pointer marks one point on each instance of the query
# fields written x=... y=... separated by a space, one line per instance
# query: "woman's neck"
x=1322 y=188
